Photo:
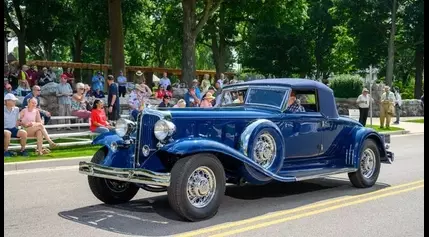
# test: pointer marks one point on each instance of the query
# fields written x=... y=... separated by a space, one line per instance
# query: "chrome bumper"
x=390 y=156
x=140 y=176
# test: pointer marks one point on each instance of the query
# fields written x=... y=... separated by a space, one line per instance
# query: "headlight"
x=124 y=127
x=163 y=129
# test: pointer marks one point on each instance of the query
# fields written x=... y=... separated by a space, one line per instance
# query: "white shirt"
x=388 y=96
x=363 y=101
x=398 y=99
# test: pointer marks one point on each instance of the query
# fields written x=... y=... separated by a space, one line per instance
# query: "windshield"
x=273 y=97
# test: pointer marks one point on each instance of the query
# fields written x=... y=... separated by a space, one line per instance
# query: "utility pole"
x=371 y=82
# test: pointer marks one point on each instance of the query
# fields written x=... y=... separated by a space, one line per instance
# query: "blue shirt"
x=97 y=82
x=27 y=97
x=164 y=82
x=122 y=81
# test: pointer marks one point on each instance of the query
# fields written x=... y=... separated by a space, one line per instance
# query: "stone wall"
x=409 y=107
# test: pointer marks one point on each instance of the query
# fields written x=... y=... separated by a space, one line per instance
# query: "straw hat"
x=139 y=73
x=209 y=96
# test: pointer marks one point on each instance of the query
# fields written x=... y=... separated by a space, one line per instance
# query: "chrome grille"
x=146 y=131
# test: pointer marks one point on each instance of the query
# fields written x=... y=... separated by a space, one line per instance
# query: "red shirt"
x=97 y=115
x=69 y=76
x=160 y=94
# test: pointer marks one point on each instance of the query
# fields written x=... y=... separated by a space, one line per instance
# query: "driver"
x=292 y=105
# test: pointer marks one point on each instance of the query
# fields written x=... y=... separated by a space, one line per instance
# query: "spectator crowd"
x=88 y=102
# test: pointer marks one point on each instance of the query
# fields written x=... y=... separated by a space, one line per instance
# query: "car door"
x=302 y=134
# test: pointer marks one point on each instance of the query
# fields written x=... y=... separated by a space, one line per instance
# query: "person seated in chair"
x=293 y=105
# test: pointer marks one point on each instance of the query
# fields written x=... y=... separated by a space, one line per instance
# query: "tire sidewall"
x=192 y=164
x=369 y=143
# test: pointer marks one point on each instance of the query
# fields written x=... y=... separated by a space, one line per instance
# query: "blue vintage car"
x=267 y=130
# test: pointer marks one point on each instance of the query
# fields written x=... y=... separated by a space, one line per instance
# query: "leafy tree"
x=47 y=24
x=274 y=44
x=413 y=38
x=193 y=22
x=15 y=16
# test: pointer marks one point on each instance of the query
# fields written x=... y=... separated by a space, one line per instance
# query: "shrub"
x=346 y=86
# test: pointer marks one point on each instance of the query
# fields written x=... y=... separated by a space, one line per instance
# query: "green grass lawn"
x=415 y=121
x=378 y=129
x=60 y=152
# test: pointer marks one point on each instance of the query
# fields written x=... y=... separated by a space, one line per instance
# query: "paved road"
x=42 y=203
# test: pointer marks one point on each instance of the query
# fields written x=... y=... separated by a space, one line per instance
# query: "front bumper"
x=139 y=176
x=390 y=156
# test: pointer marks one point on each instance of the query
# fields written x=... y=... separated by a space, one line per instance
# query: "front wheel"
x=369 y=166
x=107 y=190
x=197 y=186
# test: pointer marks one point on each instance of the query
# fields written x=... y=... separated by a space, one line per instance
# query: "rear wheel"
x=197 y=186
x=107 y=190
x=369 y=166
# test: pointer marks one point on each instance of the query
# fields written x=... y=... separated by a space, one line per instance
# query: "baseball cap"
x=10 y=96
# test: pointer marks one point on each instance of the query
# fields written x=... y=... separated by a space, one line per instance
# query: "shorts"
x=14 y=131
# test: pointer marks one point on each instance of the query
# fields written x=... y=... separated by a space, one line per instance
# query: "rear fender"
x=188 y=146
x=367 y=133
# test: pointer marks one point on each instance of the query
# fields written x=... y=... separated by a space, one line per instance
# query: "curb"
x=35 y=164
x=400 y=132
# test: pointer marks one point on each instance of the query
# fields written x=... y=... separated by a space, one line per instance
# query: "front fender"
x=189 y=146
x=107 y=138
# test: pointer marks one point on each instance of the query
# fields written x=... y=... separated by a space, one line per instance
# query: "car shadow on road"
x=154 y=217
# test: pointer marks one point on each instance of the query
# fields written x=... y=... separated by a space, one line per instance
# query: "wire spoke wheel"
x=265 y=150
x=368 y=163
x=201 y=187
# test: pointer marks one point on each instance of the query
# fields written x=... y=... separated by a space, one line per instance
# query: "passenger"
x=31 y=121
x=99 y=122
x=292 y=105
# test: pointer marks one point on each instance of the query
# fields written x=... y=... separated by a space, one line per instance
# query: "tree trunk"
x=21 y=50
x=77 y=52
x=219 y=48
x=419 y=63
x=189 y=41
x=116 y=36
x=391 y=49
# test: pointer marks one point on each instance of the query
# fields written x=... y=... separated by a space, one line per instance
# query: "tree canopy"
x=283 y=38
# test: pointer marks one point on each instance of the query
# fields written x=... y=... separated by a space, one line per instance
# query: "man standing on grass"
x=11 y=123
x=112 y=99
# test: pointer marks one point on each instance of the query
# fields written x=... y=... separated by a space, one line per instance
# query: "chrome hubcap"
x=265 y=150
x=367 y=163
x=201 y=187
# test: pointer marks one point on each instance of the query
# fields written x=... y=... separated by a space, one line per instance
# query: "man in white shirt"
x=164 y=81
x=398 y=104
x=363 y=101
x=10 y=124
x=387 y=107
